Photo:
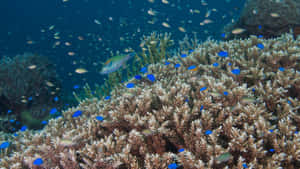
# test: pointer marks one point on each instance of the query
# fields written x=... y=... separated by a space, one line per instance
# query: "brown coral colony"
x=235 y=110
x=210 y=105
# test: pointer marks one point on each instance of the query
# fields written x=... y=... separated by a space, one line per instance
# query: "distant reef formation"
x=269 y=18
x=231 y=104
x=28 y=86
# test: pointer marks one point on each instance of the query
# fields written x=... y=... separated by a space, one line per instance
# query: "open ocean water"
x=56 y=53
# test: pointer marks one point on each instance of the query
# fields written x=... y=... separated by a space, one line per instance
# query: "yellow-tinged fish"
x=114 y=63
x=181 y=29
x=275 y=15
x=51 y=27
x=50 y=84
x=32 y=67
x=165 y=1
x=238 y=31
x=207 y=21
x=165 y=24
x=81 y=70
x=151 y=12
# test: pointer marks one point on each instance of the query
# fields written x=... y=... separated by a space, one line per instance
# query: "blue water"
x=25 y=22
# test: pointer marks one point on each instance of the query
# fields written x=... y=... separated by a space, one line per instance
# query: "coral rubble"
x=238 y=109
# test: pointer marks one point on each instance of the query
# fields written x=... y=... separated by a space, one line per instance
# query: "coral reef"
x=29 y=84
x=239 y=109
x=269 y=18
x=155 y=48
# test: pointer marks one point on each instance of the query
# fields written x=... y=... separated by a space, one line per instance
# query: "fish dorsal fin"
x=107 y=62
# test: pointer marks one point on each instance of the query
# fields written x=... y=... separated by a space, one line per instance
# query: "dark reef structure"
x=28 y=85
x=269 y=18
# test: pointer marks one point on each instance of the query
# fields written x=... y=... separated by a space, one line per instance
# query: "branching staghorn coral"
x=155 y=48
x=197 y=115
x=188 y=44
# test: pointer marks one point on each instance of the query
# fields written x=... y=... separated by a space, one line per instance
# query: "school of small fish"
x=99 y=46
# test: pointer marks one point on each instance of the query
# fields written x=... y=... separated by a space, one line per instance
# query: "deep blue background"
x=23 y=20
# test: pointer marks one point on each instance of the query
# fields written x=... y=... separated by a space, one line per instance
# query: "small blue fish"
x=201 y=108
x=223 y=54
x=183 y=55
x=4 y=145
x=203 y=88
x=53 y=111
x=77 y=113
x=281 y=69
x=260 y=46
x=138 y=77
x=44 y=122
x=192 y=67
x=167 y=63
x=23 y=128
x=144 y=69
x=236 y=71
x=99 y=118
x=55 y=99
x=173 y=166
x=151 y=77
x=208 y=132
x=186 y=100
x=107 y=98
x=181 y=150
x=38 y=161
x=215 y=64
x=76 y=87
x=130 y=85
x=114 y=63
x=177 y=65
